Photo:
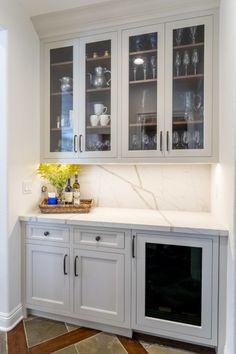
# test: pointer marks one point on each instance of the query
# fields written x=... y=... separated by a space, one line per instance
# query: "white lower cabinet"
x=164 y=283
x=99 y=285
x=47 y=276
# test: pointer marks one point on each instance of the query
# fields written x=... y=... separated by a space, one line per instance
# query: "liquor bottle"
x=68 y=193
x=76 y=191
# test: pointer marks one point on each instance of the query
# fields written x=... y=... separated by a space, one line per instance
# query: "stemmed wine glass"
x=196 y=139
x=186 y=61
x=145 y=68
x=177 y=62
x=175 y=139
x=153 y=63
x=193 y=32
x=186 y=138
x=178 y=35
x=195 y=60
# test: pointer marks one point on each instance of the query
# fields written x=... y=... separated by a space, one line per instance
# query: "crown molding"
x=115 y=13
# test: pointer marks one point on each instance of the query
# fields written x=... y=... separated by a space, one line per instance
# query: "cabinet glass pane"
x=188 y=88
x=173 y=283
x=61 y=99
x=98 y=96
x=143 y=61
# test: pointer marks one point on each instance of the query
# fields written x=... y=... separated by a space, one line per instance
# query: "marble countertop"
x=138 y=219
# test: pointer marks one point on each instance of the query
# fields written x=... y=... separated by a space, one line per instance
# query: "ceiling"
x=38 y=7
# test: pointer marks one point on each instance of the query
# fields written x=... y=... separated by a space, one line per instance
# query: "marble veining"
x=157 y=187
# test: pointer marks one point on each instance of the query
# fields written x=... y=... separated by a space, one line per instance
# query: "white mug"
x=105 y=119
x=94 y=120
x=99 y=108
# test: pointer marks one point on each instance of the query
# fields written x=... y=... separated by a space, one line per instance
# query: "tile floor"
x=43 y=334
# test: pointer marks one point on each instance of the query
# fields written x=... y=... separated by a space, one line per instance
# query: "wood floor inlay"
x=16 y=340
x=132 y=346
x=63 y=341
x=87 y=341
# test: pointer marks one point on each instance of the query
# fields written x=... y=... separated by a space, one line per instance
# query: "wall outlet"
x=27 y=187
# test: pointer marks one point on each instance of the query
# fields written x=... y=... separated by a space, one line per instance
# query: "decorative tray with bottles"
x=84 y=207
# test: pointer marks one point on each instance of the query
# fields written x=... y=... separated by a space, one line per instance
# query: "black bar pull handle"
x=75 y=266
x=133 y=247
x=161 y=141
x=75 y=143
x=64 y=265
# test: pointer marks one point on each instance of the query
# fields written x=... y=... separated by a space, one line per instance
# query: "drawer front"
x=47 y=233
x=99 y=238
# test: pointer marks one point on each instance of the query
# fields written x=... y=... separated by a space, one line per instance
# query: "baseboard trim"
x=9 y=320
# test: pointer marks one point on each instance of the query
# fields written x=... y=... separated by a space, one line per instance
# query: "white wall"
x=223 y=174
x=21 y=145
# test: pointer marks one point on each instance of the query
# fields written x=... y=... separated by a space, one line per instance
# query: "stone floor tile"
x=71 y=327
x=39 y=330
x=159 y=349
x=101 y=343
x=68 y=350
x=3 y=343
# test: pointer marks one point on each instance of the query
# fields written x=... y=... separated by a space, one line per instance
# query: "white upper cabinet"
x=98 y=92
x=133 y=94
x=60 y=125
x=188 y=79
x=143 y=92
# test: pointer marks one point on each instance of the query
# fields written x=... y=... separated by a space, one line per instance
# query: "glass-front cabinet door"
x=98 y=110
x=176 y=287
x=59 y=107
x=189 y=87
x=142 y=92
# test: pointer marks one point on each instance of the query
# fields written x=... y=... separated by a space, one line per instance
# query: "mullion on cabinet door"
x=142 y=94
x=189 y=86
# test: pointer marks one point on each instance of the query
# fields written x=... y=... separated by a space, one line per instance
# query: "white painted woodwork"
x=207 y=21
x=208 y=329
x=119 y=93
x=45 y=104
x=46 y=284
x=99 y=287
x=107 y=238
x=114 y=94
x=159 y=29
x=47 y=232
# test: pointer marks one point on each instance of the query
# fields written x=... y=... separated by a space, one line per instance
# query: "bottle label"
x=68 y=197
x=76 y=197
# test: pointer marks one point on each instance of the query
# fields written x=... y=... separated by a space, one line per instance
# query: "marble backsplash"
x=163 y=187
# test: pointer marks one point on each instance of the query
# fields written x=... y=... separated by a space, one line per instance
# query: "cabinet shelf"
x=142 y=81
x=62 y=63
x=134 y=125
x=143 y=52
x=99 y=129
x=61 y=129
x=61 y=93
x=108 y=57
x=188 y=122
x=188 y=77
x=102 y=89
x=186 y=46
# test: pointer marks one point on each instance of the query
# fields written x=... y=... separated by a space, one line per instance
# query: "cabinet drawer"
x=47 y=233
x=100 y=238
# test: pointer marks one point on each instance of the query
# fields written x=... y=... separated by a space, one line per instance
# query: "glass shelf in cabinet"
x=186 y=46
x=143 y=52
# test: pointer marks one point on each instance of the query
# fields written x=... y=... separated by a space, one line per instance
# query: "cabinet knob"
x=46 y=233
x=98 y=238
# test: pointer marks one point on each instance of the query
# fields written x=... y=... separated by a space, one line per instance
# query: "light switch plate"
x=27 y=187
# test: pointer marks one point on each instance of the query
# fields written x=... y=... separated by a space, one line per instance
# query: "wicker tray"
x=84 y=207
